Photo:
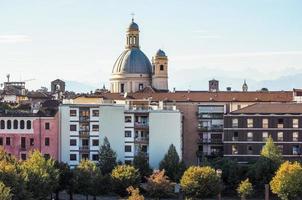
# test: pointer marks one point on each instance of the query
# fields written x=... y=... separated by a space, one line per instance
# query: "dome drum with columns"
x=132 y=71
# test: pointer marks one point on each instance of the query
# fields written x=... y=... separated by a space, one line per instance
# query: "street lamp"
x=219 y=173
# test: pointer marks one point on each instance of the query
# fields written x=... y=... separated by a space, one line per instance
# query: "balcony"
x=144 y=140
x=210 y=140
x=213 y=128
x=141 y=125
x=84 y=149
x=84 y=119
x=209 y=154
x=84 y=134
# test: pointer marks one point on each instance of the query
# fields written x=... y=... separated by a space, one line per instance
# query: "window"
x=296 y=150
x=128 y=119
x=295 y=123
x=280 y=123
x=22 y=124
x=47 y=126
x=235 y=136
x=1 y=141
x=95 y=113
x=16 y=124
x=128 y=134
x=280 y=136
x=7 y=142
x=46 y=156
x=144 y=148
x=250 y=123
x=280 y=147
x=23 y=142
x=264 y=136
x=85 y=156
x=23 y=156
x=95 y=142
x=295 y=136
x=140 y=86
x=28 y=124
x=161 y=67
x=9 y=124
x=47 y=141
x=85 y=142
x=122 y=87
x=95 y=157
x=249 y=136
x=249 y=149
x=235 y=123
x=73 y=127
x=95 y=127
x=73 y=157
x=73 y=142
x=128 y=148
x=2 y=124
x=264 y=123
x=234 y=149
x=73 y=113
x=31 y=142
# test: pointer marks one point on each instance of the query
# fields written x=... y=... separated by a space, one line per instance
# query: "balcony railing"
x=84 y=134
x=142 y=139
x=214 y=128
x=84 y=118
x=84 y=148
x=209 y=154
x=141 y=125
x=211 y=140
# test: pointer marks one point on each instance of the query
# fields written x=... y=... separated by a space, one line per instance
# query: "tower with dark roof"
x=160 y=71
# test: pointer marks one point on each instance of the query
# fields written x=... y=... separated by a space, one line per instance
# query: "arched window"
x=28 y=124
x=22 y=124
x=2 y=124
x=134 y=40
x=15 y=124
x=9 y=124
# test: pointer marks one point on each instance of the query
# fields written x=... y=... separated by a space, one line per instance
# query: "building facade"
x=247 y=129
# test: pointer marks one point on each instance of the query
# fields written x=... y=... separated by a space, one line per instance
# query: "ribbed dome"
x=132 y=61
x=133 y=26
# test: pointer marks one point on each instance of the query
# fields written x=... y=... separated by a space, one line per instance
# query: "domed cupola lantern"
x=132 y=35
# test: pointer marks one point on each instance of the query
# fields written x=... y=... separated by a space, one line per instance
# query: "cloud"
x=14 y=39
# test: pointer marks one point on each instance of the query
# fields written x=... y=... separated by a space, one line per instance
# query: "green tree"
x=287 y=182
x=89 y=179
x=159 y=186
x=271 y=151
x=41 y=175
x=172 y=165
x=245 y=189
x=64 y=177
x=11 y=174
x=124 y=176
x=107 y=157
x=141 y=163
x=5 y=192
x=200 y=182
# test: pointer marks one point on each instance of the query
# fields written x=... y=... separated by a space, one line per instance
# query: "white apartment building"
x=129 y=129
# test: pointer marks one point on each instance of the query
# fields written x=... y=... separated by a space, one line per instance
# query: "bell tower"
x=160 y=71
x=132 y=35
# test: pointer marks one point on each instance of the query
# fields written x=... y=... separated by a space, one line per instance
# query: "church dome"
x=160 y=53
x=132 y=61
x=133 y=26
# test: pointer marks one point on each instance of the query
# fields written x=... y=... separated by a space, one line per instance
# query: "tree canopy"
x=107 y=157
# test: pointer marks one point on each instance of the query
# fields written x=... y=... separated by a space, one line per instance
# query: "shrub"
x=245 y=189
x=134 y=194
x=159 y=185
x=5 y=192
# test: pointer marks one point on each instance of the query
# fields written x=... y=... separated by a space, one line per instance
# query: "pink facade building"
x=22 y=132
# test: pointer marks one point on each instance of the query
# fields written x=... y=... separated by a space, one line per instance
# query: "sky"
x=79 y=40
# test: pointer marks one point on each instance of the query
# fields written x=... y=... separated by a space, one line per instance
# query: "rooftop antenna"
x=8 y=76
x=132 y=14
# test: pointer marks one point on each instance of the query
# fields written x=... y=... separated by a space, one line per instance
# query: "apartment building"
x=24 y=131
x=129 y=127
x=247 y=129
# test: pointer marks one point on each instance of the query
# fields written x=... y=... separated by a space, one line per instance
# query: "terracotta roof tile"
x=271 y=108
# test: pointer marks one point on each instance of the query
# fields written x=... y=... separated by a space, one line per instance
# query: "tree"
x=107 y=157
x=200 y=182
x=159 y=185
x=245 y=189
x=134 y=194
x=89 y=179
x=287 y=182
x=5 y=192
x=65 y=177
x=271 y=151
x=124 y=176
x=141 y=163
x=41 y=175
x=172 y=165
